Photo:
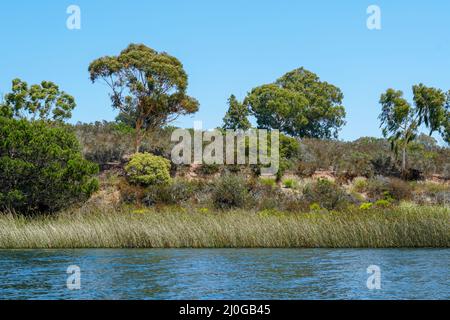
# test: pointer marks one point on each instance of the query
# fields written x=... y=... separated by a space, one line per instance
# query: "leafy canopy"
x=37 y=102
x=42 y=169
x=148 y=87
x=298 y=104
x=401 y=121
x=236 y=116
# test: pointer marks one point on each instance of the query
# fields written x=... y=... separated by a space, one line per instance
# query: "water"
x=225 y=274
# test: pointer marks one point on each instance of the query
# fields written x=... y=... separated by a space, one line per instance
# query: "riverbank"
x=176 y=227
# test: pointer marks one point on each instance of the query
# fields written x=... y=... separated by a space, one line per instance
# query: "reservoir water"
x=226 y=274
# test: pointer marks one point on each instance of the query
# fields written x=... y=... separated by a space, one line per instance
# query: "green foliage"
x=315 y=207
x=230 y=191
x=298 y=104
x=290 y=183
x=325 y=193
x=289 y=147
x=268 y=182
x=355 y=164
x=41 y=167
x=366 y=206
x=177 y=192
x=383 y=203
x=389 y=189
x=37 y=102
x=401 y=121
x=236 y=116
x=360 y=184
x=148 y=87
x=147 y=169
x=209 y=169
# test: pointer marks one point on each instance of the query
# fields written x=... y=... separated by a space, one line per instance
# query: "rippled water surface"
x=225 y=274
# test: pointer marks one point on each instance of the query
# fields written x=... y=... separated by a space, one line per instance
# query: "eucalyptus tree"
x=298 y=104
x=44 y=101
x=236 y=116
x=147 y=87
x=401 y=121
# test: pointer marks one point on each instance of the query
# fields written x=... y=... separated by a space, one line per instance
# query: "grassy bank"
x=176 y=228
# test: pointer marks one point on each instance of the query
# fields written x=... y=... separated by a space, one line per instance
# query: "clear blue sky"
x=232 y=46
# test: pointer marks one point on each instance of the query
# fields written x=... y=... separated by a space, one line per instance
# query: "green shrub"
x=209 y=169
x=383 y=203
x=176 y=192
x=366 y=206
x=147 y=169
x=326 y=194
x=315 y=207
x=269 y=182
x=355 y=164
x=230 y=191
x=389 y=188
x=42 y=168
x=360 y=184
x=290 y=183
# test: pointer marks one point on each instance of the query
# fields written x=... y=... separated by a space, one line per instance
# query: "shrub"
x=269 y=182
x=383 y=203
x=174 y=193
x=306 y=169
x=290 y=183
x=326 y=194
x=366 y=206
x=399 y=189
x=389 y=188
x=147 y=169
x=360 y=184
x=230 y=191
x=355 y=164
x=209 y=169
x=42 y=168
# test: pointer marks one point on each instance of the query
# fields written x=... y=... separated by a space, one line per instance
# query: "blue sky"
x=232 y=46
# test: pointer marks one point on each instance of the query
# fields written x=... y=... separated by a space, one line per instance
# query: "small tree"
x=401 y=122
x=236 y=116
x=298 y=104
x=42 y=169
x=37 y=102
x=147 y=86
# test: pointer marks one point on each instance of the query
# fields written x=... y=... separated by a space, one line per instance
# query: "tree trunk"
x=138 y=137
x=404 y=161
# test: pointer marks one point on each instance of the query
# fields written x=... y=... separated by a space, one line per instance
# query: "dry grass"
x=176 y=228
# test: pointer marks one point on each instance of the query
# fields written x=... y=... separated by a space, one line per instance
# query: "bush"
x=269 y=182
x=42 y=168
x=387 y=188
x=147 y=169
x=360 y=184
x=326 y=194
x=230 y=191
x=174 y=193
x=290 y=183
x=366 y=206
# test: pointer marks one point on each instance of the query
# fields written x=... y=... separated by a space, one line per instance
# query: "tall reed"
x=179 y=228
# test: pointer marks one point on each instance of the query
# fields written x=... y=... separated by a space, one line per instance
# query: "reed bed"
x=411 y=227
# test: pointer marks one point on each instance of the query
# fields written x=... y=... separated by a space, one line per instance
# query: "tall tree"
x=300 y=105
x=147 y=86
x=236 y=116
x=42 y=101
x=400 y=121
